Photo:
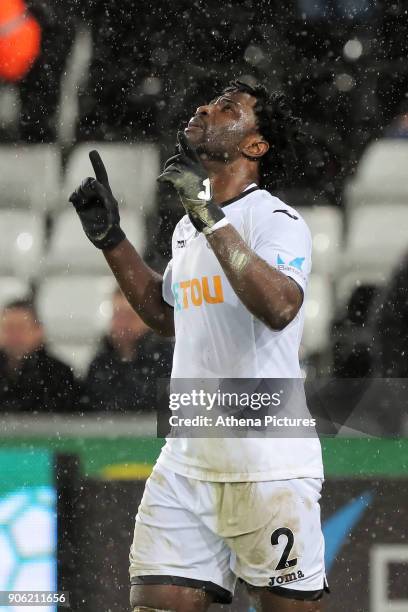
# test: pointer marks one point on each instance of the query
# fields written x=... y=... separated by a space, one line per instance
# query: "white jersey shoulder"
x=276 y=232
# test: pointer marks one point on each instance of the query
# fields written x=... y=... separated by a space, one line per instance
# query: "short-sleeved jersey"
x=217 y=337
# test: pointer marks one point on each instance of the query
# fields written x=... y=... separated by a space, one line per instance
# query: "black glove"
x=97 y=208
x=187 y=174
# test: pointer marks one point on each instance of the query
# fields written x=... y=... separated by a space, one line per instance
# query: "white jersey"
x=217 y=337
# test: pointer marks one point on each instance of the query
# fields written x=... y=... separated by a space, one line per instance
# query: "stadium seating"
x=132 y=170
x=349 y=281
x=77 y=356
x=377 y=238
x=326 y=226
x=12 y=288
x=22 y=243
x=70 y=250
x=75 y=309
x=318 y=315
x=376 y=217
x=381 y=175
x=30 y=176
x=73 y=79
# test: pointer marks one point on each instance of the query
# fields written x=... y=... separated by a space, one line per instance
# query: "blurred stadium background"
x=97 y=82
x=122 y=77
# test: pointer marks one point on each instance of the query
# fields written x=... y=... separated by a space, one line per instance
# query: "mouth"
x=195 y=124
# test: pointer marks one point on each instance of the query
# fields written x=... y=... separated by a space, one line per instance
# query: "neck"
x=229 y=180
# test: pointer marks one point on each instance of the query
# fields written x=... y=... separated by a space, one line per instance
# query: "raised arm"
x=99 y=214
x=142 y=286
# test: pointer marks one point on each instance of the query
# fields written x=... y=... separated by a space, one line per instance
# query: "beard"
x=221 y=147
x=209 y=152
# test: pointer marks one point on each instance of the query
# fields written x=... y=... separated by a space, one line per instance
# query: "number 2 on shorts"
x=284 y=563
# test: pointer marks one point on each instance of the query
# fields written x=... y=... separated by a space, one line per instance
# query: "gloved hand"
x=97 y=208
x=187 y=174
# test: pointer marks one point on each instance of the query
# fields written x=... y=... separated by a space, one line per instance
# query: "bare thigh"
x=169 y=598
x=263 y=600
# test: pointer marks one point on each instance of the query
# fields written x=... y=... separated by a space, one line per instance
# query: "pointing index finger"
x=99 y=169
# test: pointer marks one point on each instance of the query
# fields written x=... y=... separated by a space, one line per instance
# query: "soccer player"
x=233 y=293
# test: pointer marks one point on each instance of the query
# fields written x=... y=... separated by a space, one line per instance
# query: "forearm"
x=268 y=294
x=142 y=286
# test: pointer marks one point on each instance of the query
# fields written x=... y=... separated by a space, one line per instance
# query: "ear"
x=254 y=147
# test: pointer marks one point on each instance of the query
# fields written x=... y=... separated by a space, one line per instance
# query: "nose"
x=202 y=110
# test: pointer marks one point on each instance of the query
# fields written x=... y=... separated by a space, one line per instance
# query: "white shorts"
x=208 y=534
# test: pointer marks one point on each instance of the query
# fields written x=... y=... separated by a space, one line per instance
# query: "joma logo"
x=292 y=577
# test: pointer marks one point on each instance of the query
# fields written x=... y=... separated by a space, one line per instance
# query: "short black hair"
x=280 y=128
x=24 y=304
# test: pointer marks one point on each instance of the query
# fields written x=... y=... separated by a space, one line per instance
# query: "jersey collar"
x=252 y=187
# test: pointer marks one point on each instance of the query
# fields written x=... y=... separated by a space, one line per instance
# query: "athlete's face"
x=224 y=128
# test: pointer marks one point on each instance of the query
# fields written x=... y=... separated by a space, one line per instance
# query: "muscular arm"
x=142 y=286
x=269 y=295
